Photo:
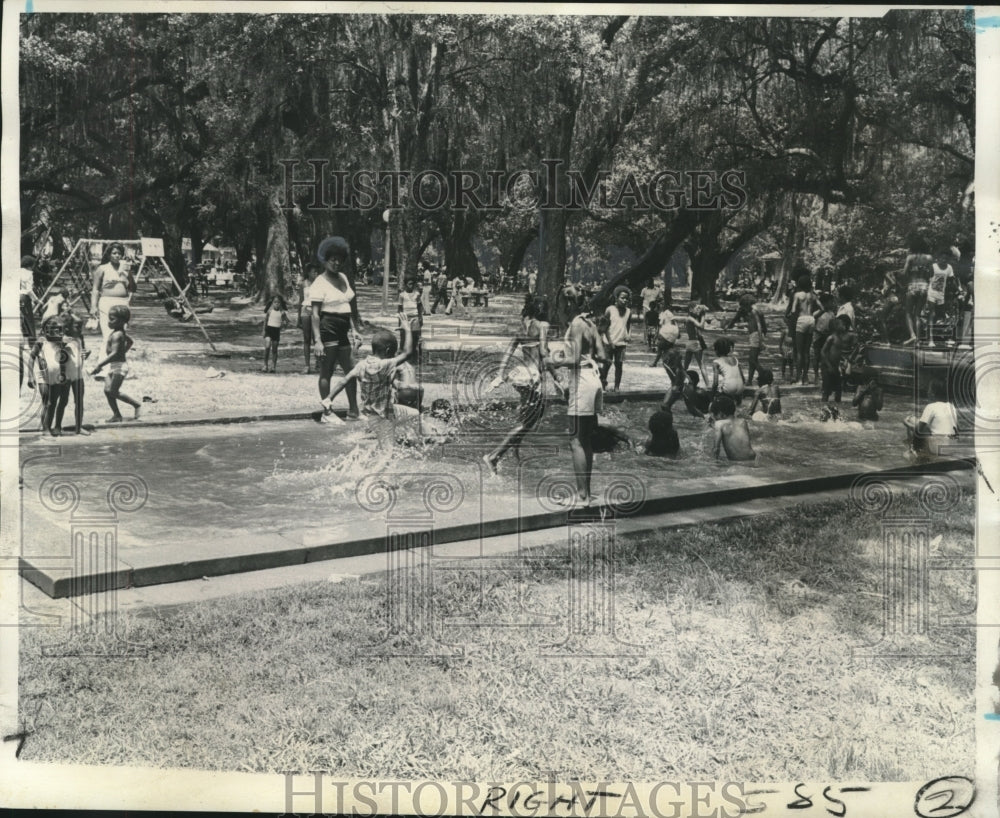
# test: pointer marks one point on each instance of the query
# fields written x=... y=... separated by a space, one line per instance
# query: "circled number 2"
x=945 y=797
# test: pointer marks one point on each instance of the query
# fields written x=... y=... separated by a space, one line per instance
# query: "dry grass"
x=744 y=670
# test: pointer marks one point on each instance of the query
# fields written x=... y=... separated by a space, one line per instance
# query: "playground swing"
x=75 y=274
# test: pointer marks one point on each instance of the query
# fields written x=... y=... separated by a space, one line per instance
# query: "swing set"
x=77 y=276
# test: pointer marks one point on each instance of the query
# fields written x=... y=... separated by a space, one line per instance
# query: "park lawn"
x=745 y=672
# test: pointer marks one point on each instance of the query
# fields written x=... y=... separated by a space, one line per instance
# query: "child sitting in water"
x=663 y=439
x=696 y=399
x=768 y=395
x=728 y=378
x=375 y=374
x=868 y=399
x=937 y=424
x=732 y=434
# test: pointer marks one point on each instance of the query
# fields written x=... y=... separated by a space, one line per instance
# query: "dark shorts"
x=27 y=319
x=274 y=333
x=334 y=328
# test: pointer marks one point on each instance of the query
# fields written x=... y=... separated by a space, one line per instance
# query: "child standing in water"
x=830 y=360
x=728 y=376
x=785 y=350
x=118 y=345
x=275 y=317
x=56 y=369
x=768 y=396
x=732 y=434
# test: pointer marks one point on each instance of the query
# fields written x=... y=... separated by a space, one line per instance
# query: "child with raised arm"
x=768 y=395
x=118 y=345
x=375 y=375
x=275 y=317
x=732 y=434
x=56 y=370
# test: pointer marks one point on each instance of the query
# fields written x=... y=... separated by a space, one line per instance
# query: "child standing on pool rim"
x=57 y=370
x=335 y=319
x=117 y=347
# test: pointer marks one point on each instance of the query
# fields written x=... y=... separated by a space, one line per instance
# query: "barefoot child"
x=117 y=347
x=75 y=346
x=57 y=371
x=768 y=395
x=732 y=434
x=275 y=317
x=376 y=374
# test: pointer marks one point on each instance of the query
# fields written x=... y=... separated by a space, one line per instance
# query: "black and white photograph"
x=500 y=410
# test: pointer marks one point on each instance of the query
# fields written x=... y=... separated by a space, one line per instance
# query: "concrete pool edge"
x=123 y=576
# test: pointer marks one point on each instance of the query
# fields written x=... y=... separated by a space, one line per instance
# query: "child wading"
x=728 y=375
x=275 y=317
x=868 y=399
x=768 y=396
x=117 y=347
x=376 y=375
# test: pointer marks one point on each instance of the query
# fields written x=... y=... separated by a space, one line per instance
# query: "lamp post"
x=385 y=265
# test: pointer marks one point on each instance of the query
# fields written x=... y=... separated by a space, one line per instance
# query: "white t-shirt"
x=333 y=300
x=938 y=283
x=409 y=303
x=941 y=418
x=618 y=331
x=649 y=295
x=27 y=281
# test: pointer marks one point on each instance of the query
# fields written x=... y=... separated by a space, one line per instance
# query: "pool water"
x=262 y=478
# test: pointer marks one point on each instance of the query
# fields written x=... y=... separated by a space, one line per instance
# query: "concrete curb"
x=130 y=577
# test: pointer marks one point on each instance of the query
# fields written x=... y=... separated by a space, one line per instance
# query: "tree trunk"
x=514 y=257
x=552 y=261
x=459 y=253
x=275 y=268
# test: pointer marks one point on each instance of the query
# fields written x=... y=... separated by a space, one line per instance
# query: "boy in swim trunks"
x=118 y=345
x=57 y=370
x=585 y=399
x=376 y=374
x=732 y=434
